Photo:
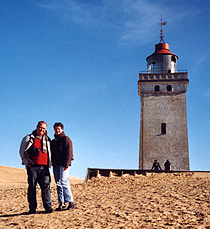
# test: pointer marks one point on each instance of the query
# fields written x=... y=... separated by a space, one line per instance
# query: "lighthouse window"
x=173 y=58
x=153 y=66
x=163 y=128
x=157 y=88
x=169 y=88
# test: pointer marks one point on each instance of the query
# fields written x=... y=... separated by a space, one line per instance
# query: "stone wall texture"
x=173 y=146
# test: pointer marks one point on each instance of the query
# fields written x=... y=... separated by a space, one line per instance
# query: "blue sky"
x=77 y=61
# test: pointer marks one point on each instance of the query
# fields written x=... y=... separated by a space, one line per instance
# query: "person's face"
x=58 y=130
x=41 y=129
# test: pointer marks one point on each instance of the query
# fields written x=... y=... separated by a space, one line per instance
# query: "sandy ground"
x=155 y=201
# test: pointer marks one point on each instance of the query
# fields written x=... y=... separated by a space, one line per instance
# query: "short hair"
x=40 y=122
x=58 y=124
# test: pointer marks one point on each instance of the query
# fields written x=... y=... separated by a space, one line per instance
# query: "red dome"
x=162 y=48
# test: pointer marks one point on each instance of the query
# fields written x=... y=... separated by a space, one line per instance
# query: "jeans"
x=41 y=175
x=63 y=186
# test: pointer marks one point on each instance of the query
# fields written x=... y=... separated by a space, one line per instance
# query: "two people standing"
x=156 y=165
x=36 y=155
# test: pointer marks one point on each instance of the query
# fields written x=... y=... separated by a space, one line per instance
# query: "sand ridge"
x=17 y=176
x=156 y=201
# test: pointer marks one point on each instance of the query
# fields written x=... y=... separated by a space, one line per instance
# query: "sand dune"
x=17 y=176
x=156 y=201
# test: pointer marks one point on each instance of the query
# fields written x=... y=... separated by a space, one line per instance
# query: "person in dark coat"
x=62 y=155
x=167 y=165
x=156 y=165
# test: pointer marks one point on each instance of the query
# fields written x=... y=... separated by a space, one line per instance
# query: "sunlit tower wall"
x=163 y=118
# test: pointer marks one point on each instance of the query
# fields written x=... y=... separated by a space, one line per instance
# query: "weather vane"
x=161 y=30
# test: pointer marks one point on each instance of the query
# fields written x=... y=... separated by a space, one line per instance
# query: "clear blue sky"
x=77 y=61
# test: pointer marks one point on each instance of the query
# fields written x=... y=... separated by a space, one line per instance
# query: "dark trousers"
x=41 y=175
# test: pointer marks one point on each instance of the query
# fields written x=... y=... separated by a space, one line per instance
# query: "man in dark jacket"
x=167 y=165
x=36 y=156
x=62 y=155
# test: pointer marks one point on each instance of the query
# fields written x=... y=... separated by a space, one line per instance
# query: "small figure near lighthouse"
x=156 y=166
x=167 y=165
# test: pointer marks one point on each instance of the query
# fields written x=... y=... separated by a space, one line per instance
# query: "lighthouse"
x=163 y=118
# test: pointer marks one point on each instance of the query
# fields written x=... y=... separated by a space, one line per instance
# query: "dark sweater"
x=61 y=150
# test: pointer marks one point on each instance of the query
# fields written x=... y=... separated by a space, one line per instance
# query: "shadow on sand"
x=23 y=213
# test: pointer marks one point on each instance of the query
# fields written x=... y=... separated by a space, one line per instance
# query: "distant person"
x=62 y=155
x=156 y=166
x=167 y=165
x=36 y=156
